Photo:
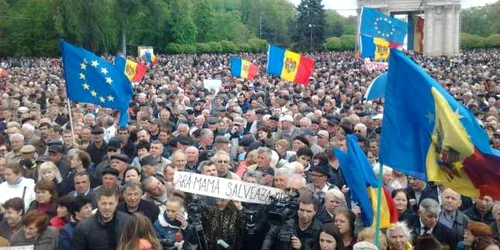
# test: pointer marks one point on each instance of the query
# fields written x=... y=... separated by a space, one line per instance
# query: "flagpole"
x=71 y=122
x=379 y=204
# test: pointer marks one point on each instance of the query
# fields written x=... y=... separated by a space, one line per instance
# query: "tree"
x=334 y=24
x=333 y=43
x=310 y=23
x=481 y=21
x=203 y=18
x=181 y=26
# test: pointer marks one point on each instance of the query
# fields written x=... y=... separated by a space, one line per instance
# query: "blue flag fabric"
x=377 y=24
x=91 y=79
x=359 y=175
x=414 y=124
x=377 y=87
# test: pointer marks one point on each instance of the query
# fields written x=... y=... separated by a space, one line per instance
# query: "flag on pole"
x=289 y=65
x=134 y=71
x=377 y=24
x=243 y=68
x=91 y=79
x=429 y=135
x=363 y=184
x=375 y=47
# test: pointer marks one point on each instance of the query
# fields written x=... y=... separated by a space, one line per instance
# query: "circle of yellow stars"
x=384 y=33
x=86 y=86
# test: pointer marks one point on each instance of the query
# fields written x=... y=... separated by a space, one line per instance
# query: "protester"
x=35 y=231
x=138 y=234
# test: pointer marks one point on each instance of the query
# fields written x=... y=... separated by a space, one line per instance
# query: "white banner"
x=32 y=247
x=225 y=188
x=212 y=84
x=376 y=65
x=142 y=50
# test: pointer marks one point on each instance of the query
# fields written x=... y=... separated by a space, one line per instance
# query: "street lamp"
x=311 y=39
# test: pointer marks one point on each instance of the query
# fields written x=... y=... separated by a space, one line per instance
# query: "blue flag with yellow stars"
x=377 y=24
x=91 y=79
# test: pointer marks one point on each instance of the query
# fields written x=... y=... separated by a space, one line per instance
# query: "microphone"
x=223 y=244
x=178 y=237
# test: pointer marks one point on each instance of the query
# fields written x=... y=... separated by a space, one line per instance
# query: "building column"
x=428 y=30
x=411 y=32
x=456 y=35
x=449 y=31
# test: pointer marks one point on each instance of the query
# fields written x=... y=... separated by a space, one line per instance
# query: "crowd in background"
x=89 y=184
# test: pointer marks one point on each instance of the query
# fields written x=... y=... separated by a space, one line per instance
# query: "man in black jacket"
x=133 y=203
x=304 y=233
x=428 y=223
x=102 y=230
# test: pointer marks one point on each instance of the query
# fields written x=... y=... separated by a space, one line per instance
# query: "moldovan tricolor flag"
x=289 y=65
x=134 y=71
x=243 y=68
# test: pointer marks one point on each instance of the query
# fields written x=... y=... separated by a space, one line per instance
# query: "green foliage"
x=203 y=48
x=181 y=26
x=348 y=42
x=174 y=48
x=215 y=47
x=333 y=44
x=493 y=41
x=257 y=45
x=228 y=46
x=482 y=21
x=468 y=41
x=310 y=23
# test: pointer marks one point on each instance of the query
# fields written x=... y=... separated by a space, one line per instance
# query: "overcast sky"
x=348 y=7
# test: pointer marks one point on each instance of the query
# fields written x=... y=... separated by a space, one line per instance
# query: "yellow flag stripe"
x=245 y=65
x=385 y=216
x=130 y=69
x=450 y=144
x=290 y=65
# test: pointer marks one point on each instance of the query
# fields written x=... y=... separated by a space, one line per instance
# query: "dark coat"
x=308 y=238
x=409 y=216
x=460 y=224
x=428 y=192
x=474 y=215
x=147 y=208
x=442 y=233
x=65 y=236
x=93 y=233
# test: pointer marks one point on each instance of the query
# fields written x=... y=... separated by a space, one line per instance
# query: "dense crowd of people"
x=83 y=182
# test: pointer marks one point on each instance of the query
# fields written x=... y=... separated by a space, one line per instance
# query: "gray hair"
x=132 y=185
x=283 y=171
x=495 y=207
x=16 y=135
x=298 y=177
x=265 y=150
x=336 y=193
x=220 y=153
x=400 y=225
x=206 y=132
x=28 y=127
x=72 y=152
x=254 y=174
x=430 y=206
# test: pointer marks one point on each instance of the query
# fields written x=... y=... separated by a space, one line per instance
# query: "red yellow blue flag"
x=289 y=65
x=243 y=68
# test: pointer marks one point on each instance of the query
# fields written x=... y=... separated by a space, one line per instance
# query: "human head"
x=81 y=208
x=398 y=235
x=416 y=184
x=35 y=222
x=45 y=191
x=264 y=157
x=329 y=238
x=13 y=172
x=281 y=177
x=401 y=200
x=429 y=212
x=13 y=211
x=208 y=167
x=174 y=206
x=179 y=160
x=221 y=159
x=308 y=205
x=475 y=230
x=484 y=204
x=192 y=154
x=132 y=174
x=64 y=206
x=367 y=234
x=344 y=221
x=49 y=171
x=132 y=193
x=16 y=141
x=496 y=212
x=107 y=201
x=82 y=182
x=451 y=200
x=304 y=156
x=428 y=242
x=109 y=177
x=334 y=200
x=153 y=186
x=81 y=159
x=138 y=227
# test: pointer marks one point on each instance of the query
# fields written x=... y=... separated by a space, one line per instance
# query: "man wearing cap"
x=322 y=142
x=114 y=147
x=237 y=131
x=56 y=156
x=98 y=148
x=149 y=167
x=120 y=162
x=319 y=175
x=153 y=128
x=288 y=130
x=109 y=180
x=29 y=155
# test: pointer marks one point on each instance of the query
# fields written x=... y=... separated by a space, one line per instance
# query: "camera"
x=283 y=209
x=195 y=211
x=250 y=221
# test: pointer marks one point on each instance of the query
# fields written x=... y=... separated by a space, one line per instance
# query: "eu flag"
x=91 y=79
x=429 y=135
x=377 y=24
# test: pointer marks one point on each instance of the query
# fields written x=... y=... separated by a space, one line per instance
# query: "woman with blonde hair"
x=138 y=234
x=49 y=171
x=399 y=237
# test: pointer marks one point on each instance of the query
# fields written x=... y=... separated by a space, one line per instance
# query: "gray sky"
x=347 y=7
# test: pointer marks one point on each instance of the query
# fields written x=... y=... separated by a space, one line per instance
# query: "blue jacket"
x=65 y=235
